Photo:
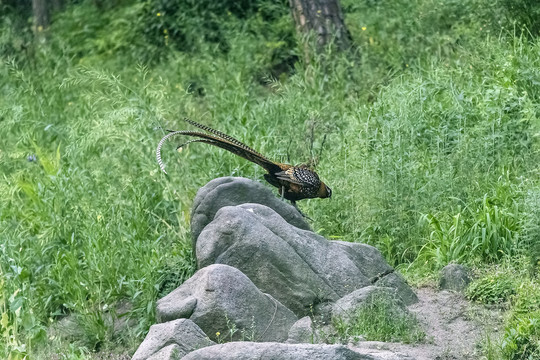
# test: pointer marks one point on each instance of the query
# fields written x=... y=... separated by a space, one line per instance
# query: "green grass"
x=431 y=148
x=509 y=286
x=522 y=334
x=381 y=319
x=522 y=337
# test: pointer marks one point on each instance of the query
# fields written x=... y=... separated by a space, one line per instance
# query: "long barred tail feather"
x=175 y=133
x=221 y=135
x=230 y=144
x=158 y=150
x=193 y=141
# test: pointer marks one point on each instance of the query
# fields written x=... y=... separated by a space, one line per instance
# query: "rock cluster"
x=263 y=275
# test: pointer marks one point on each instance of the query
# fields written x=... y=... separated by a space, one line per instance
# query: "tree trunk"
x=41 y=15
x=322 y=17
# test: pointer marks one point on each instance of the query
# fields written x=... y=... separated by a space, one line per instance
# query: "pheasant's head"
x=324 y=191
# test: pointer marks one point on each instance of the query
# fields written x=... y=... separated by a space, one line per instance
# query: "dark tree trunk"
x=322 y=17
x=41 y=15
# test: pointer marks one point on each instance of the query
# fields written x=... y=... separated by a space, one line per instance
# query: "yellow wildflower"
x=364 y=28
x=158 y=14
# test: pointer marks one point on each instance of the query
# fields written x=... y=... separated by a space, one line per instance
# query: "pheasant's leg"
x=293 y=203
x=282 y=193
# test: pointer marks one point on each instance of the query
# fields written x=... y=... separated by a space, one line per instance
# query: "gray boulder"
x=277 y=351
x=299 y=268
x=221 y=299
x=172 y=340
x=231 y=191
x=454 y=277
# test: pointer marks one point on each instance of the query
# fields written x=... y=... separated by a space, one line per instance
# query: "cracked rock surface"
x=298 y=267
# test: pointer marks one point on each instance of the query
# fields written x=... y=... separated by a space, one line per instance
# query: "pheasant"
x=294 y=182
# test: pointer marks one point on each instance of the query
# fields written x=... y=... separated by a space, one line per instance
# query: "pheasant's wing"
x=211 y=142
x=289 y=176
x=221 y=135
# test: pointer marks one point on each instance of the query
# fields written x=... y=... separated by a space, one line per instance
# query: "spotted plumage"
x=294 y=182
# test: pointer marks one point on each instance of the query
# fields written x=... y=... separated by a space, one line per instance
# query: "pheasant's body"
x=298 y=182
x=294 y=182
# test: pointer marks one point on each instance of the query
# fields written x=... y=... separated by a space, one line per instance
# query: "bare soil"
x=455 y=328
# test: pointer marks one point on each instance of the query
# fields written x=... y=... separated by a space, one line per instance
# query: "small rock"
x=302 y=332
x=121 y=320
x=183 y=333
x=454 y=277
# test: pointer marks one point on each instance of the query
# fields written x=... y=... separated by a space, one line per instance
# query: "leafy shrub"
x=15 y=37
x=522 y=337
x=522 y=333
x=186 y=25
x=527 y=298
x=88 y=33
x=492 y=288
x=531 y=228
x=525 y=13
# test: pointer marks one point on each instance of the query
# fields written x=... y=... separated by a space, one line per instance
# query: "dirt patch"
x=454 y=327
